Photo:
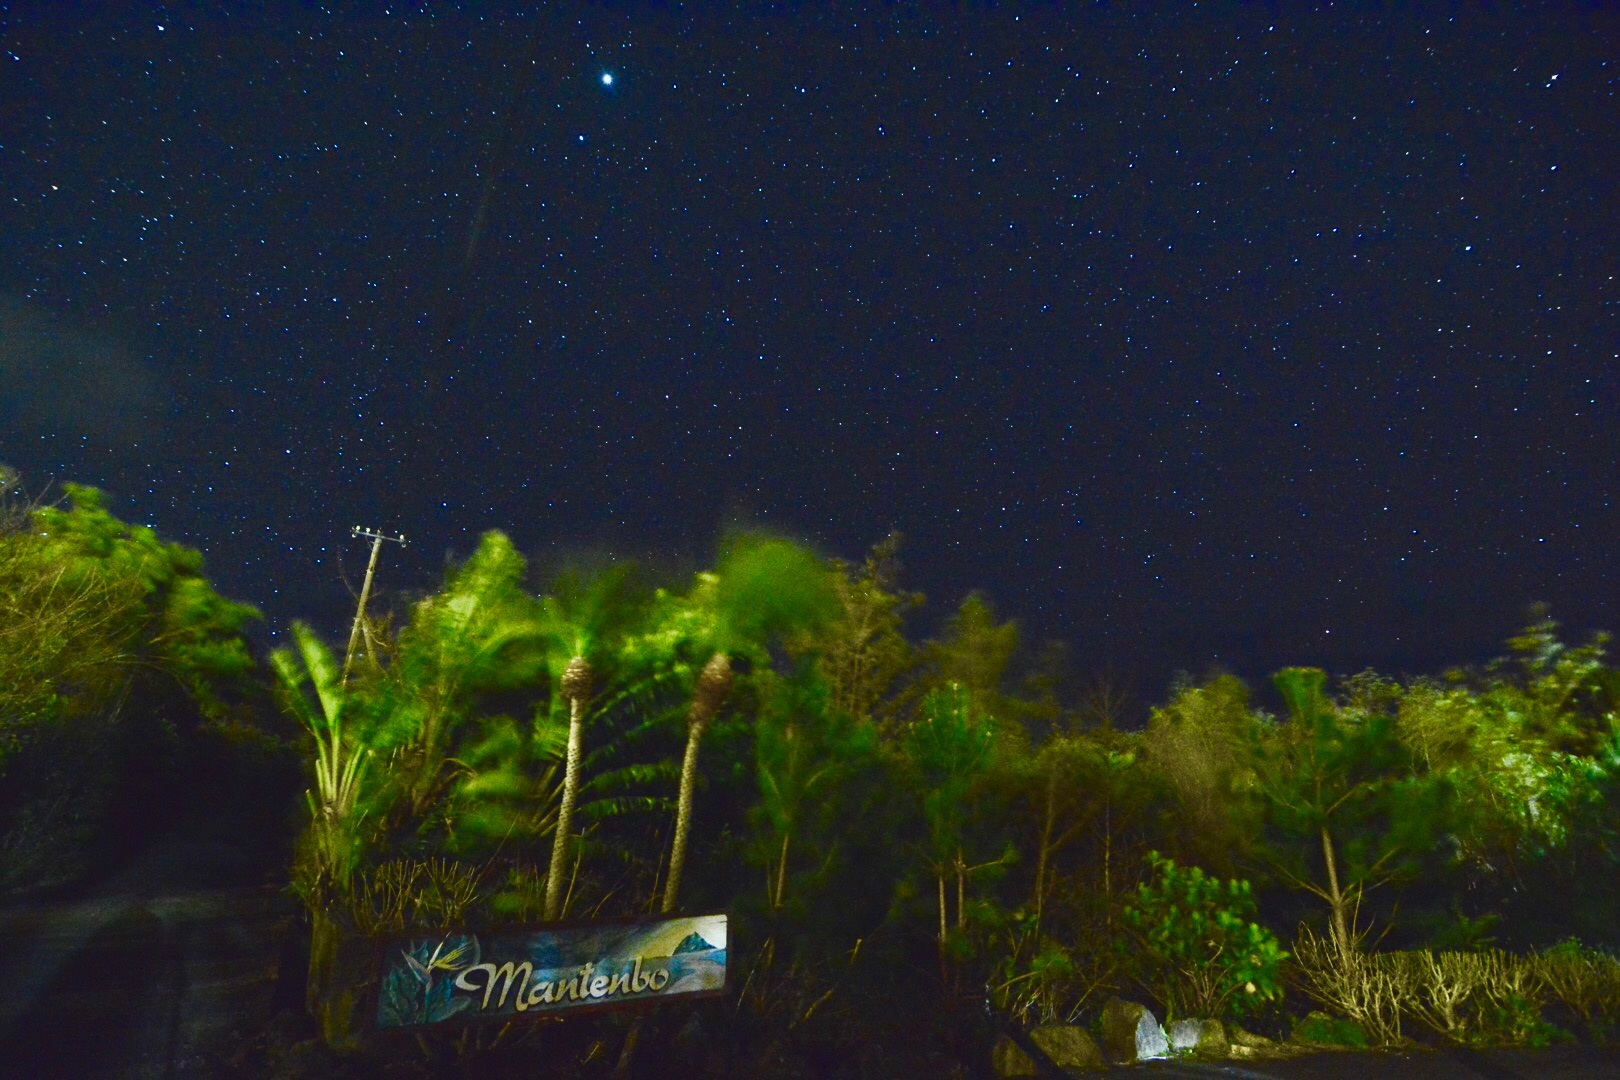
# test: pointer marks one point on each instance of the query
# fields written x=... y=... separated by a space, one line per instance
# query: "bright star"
x=607 y=78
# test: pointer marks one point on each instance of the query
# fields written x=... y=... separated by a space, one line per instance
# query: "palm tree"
x=764 y=588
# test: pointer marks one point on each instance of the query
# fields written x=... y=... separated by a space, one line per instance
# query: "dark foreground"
x=1554 y=1063
x=137 y=983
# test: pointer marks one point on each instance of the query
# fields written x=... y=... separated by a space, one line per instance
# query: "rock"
x=1131 y=1034
x=1007 y=1060
x=1206 y=1038
x=1069 y=1047
x=1248 y=1039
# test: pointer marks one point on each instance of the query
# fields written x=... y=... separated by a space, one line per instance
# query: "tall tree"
x=974 y=654
x=1345 y=796
x=863 y=652
x=1202 y=744
x=764 y=589
x=950 y=748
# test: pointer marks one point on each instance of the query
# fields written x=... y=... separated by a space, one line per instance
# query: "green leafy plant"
x=341 y=764
x=478 y=636
x=585 y=619
x=1195 y=947
x=115 y=649
x=1035 y=979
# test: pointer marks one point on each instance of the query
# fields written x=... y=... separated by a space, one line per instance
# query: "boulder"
x=1131 y=1034
x=1206 y=1038
x=1007 y=1060
x=1249 y=1040
x=1068 y=1047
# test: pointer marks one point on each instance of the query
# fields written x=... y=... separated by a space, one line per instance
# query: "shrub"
x=1585 y=982
x=1471 y=998
x=1196 y=949
x=1353 y=984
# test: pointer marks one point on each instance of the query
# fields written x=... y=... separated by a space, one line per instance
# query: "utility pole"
x=376 y=539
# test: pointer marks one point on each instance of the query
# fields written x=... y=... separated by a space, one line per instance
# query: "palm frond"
x=602 y=809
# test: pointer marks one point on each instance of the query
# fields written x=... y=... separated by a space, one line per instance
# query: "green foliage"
x=863 y=652
x=506 y=785
x=1203 y=745
x=1195 y=946
x=950 y=746
x=806 y=755
x=114 y=648
x=1348 y=806
x=894 y=800
x=1318 y=1029
x=478 y=636
x=90 y=604
x=765 y=588
x=1565 y=693
x=972 y=657
x=1039 y=989
x=1586 y=983
x=180 y=623
x=311 y=691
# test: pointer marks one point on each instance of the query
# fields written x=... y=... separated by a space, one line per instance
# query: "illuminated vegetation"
x=900 y=829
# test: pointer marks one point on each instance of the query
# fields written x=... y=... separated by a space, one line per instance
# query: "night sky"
x=1240 y=336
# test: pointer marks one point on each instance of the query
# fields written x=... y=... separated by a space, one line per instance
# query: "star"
x=607 y=78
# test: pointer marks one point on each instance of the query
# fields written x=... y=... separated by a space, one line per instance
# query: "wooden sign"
x=459 y=976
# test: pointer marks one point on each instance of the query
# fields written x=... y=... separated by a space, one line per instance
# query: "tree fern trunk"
x=565 y=812
x=683 y=813
x=713 y=683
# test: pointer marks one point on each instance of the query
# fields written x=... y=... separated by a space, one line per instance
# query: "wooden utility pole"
x=359 y=627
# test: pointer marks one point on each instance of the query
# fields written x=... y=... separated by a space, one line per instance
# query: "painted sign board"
x=437 y=977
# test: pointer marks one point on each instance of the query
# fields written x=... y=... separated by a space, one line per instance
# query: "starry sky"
x=1193 y=335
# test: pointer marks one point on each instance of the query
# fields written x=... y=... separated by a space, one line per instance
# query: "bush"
x=1585 y=982
x=1195 y=949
